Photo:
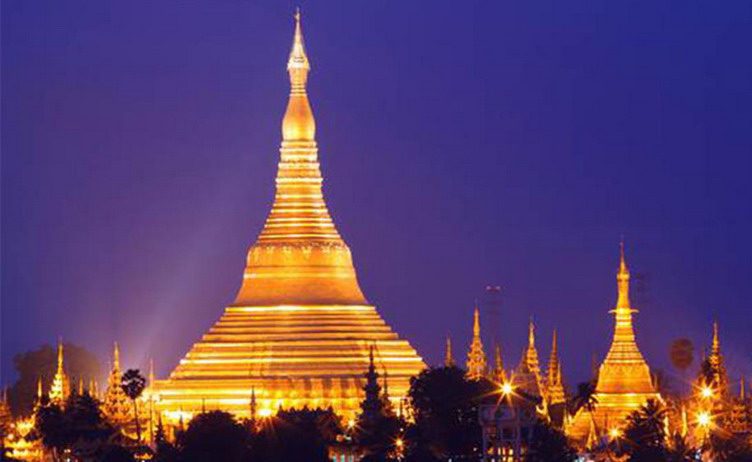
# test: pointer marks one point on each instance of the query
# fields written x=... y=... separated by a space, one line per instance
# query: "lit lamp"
x=506 y=388
x=706 y=392
x=614 y=433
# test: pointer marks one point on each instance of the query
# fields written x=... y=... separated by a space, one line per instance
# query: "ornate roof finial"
x=448 y=356
x=476 y=357
x=116 y=356
x=716 y=346
x=298 y=64
x=499 y=374
x=531 y=333
x=742 y=388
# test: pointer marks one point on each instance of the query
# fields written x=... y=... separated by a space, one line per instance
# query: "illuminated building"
x=555 y=394
x=530 y=365
x=554 y=385
x=476 y=357
x=60 y=388
x=448 y=356
x=300 y=328
x=498 y=374
x=624 y=381
x=116 y=406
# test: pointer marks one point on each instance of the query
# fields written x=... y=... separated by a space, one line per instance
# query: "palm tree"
x=133 y=384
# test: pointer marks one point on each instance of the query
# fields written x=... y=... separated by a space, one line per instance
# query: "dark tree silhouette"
x=133 y=384
x=212 y=434
x=79 y=428
x=445 y=406
x=645 y=435
x=41 y=363
x=726 y=447
x=297 y=434
x=549 y=445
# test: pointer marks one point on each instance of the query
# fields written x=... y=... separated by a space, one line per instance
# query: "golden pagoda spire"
x=448 y=357
x=742 y=388
x=531 y=354
x=115 y=404
x=299 y=258
x=554 y=385
x=60 y=388
x=499 y=375
x=476 y=357
x=151 y=372
x=719 y=379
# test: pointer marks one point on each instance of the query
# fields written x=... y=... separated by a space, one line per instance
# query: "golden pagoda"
x=300 y=329
x=554 y=385
x=476 y=357
x=530 y=364
x=624 y=381
x=498 y=374
x=448 y=356
x=60 y=388
x=116 y=405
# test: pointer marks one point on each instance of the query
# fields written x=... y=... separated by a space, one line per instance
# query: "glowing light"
x=614 y=433
x=706 y=392
x=265 y=413
x=704 y=419
x=351 y=423
x=506 y=388
x=399 y=443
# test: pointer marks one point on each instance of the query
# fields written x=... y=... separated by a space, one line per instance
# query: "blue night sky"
x=508 y=143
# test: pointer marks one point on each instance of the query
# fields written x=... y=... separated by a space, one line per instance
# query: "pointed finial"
x=531 y=333
x=298 y=65
x=448 y=356
x=622 y=259
x=476 y=321
x=39 y=389
x=60 y=354
x=716 y=340
x=116 y=357
x=741 y=388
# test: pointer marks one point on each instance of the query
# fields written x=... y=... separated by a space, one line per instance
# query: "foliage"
x=79 y=428
x=584 y=397
x=645 y=435
x=133 y=384
x=213 y=433
x=729 y=448
x=445 y=406
x=549 y=445
x=680 y=450
x=301 y=434
x=42 y=363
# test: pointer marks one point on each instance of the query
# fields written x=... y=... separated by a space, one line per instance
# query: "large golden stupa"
x=300 y=329
x=624 y=380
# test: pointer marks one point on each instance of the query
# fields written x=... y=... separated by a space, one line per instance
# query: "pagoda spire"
x=60 y=388
x=448 y=356
x=531 y=354
x=299 y=258
x=115 y=404
x=499 y=375
x=718 y=377
x=554 y=385
x=476 y=357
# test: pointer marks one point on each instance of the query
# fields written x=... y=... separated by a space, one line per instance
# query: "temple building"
x=60 y=388
x=624 y=380
x=300 y=328
x=476 y=356
x=116 y=406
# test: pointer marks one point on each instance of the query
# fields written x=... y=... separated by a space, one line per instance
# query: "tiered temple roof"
x=624 y=381
x=300 y=329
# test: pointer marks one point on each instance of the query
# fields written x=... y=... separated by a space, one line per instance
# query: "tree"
x=445 y=406
x=645 y=435
x=729 y=448
x=297 y=434
x=680 y=450
x=377 y=426
x=133 y=384
x=53 y=429
x=41 y=364
x=164 y=451
x=212 y=434
x=549 y=445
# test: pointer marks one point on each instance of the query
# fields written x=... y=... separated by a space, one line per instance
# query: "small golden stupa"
x=624 y=380
x=300 y=329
